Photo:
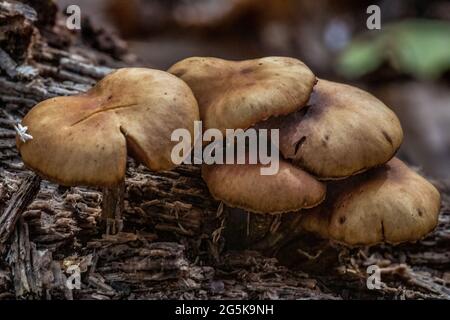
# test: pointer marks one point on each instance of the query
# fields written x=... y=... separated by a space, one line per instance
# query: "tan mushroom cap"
x=344 y=131
x=238 y=94
x=243 y=186
x=83 y=139
x=390 y=204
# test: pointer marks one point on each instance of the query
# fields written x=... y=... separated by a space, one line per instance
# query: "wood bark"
x=112 y=208
x=177 y=241
x=18 y=203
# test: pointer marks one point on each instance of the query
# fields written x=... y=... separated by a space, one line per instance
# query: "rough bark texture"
x=112 y=208
x=177 y=242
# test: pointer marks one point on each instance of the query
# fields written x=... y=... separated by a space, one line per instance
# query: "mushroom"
x=238 y=94
x=390 y=204
x=343 y=131
x=84 y=139
x=242 y=186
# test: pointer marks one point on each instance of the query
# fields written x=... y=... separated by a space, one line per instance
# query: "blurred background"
x=406 y=63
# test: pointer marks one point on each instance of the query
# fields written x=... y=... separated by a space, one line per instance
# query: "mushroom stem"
x=112 y=207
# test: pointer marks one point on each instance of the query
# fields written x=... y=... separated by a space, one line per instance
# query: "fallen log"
x=178 y=242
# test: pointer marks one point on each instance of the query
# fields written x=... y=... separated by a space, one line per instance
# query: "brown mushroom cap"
x=238 y=94
x=390 y=204
x=83 y=139
x=344 y=131
x=243 y=186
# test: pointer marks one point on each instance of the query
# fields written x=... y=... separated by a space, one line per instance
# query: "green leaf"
x=420 y=48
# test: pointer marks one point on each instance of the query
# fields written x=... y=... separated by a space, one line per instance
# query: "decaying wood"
x=177 y=241
x=112 y=208
x=18 y=203
x=34 y=271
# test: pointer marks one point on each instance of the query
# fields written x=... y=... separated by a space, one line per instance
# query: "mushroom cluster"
x=338 y=169
x=239 y=95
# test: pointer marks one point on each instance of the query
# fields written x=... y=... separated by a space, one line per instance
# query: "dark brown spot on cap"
x=387 y=137
x=247 y=70
x=299 y=144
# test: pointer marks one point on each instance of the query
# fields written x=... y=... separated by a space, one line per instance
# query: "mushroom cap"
x=238 y=94
x=344 y=131
x=390 y=204
x=83 y=139
x=243 y=186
